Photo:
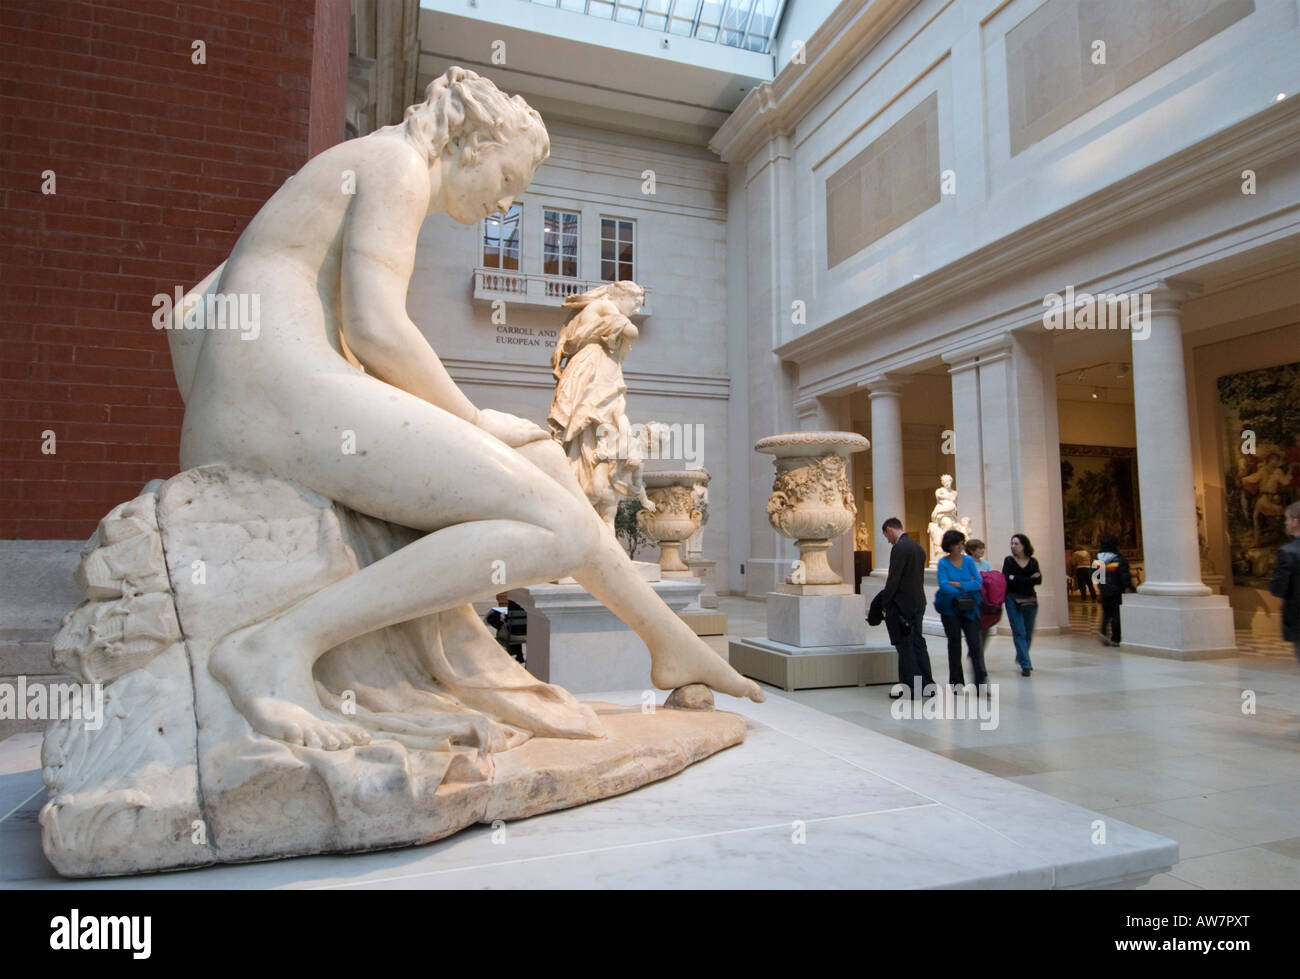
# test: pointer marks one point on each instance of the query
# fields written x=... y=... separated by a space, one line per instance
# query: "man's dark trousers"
x=913 y=654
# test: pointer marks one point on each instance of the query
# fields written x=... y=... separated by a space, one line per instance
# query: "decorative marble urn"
x=811 y=501
x=676 y=515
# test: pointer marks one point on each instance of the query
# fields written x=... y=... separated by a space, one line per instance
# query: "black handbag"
x=964 y=603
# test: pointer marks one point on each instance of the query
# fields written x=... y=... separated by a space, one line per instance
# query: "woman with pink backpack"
x=992 y=593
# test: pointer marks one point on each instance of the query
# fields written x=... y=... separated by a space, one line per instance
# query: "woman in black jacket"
x=1023 y=576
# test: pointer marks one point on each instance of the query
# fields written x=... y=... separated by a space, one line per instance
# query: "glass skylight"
x=747 y=24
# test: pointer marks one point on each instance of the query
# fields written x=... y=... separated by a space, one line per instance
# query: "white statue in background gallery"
x=588 y=413
x=944 y=518
x=285 y=627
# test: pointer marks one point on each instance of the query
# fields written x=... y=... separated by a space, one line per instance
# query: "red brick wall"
x=159 y=164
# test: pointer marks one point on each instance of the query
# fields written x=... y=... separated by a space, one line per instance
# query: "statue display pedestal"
x=815 y=640
x=575 y=642
x=707 y=572
x=933 y=625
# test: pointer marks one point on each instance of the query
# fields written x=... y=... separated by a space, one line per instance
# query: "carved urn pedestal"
x=675 y=518
x=816 y=624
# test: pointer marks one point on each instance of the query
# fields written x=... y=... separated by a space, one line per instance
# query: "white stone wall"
x=1142 y=188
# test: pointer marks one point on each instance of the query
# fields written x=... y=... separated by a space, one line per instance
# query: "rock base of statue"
x=573 y=641
x=169 y=774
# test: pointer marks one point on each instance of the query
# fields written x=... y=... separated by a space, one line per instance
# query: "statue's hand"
x=510 y=429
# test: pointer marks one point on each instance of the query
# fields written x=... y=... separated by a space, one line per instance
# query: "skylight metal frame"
x=743 y=34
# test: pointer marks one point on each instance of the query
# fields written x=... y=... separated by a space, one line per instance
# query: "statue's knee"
x=580 y=527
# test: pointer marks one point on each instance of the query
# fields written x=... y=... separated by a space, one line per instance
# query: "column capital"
x=882 y=386
x=806 y=407
x=965 y=358
x=1168 y=295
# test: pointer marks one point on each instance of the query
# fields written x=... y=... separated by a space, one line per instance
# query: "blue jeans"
x=1021 y=619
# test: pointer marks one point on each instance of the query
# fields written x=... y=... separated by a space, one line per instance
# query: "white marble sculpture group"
x=944 y=518
x=284 y=629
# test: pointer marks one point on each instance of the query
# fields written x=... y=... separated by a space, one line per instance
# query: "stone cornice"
x=1269 y=135
x=539 y=376
x=774 y=108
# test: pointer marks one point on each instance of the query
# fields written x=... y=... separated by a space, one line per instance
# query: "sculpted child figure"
x=332 y=269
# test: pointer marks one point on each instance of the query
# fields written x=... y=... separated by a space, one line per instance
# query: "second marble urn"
x=811 y=501
x=675 y=517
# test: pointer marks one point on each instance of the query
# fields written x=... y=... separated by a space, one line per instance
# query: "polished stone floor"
x=1205 y=753
x=1169 y=746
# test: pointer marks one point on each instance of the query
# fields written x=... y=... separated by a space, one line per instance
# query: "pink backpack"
x=993 y=592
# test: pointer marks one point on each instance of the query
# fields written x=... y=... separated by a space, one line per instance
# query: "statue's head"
x=616 y=332
x=487 y=144
x=946 y=480
x=625 y=294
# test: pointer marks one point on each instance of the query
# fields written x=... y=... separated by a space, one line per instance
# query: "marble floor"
x=1160 y=744
x=1205 y=753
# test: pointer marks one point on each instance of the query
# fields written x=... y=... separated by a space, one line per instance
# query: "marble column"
x=1019 y=451
x=968 y=463
x=763 y=202
x=887 y=499
x=1174 y=613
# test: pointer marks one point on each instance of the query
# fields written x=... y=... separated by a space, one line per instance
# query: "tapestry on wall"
x=1099 y=490
x=1260 y=414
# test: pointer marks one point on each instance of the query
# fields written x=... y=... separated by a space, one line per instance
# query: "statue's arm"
x=378 y=257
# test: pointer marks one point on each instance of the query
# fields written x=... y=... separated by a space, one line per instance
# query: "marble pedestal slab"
x=815 y=641
x=707 y=572
x=816 y=620
x=575 y=642
x=804 y=667
x=1178 y=627
x=876 y=812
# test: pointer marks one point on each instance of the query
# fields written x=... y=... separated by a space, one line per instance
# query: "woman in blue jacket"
x=958 y=603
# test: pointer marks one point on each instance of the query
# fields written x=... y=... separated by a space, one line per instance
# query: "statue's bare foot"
x=690 y=660
x=270 y=686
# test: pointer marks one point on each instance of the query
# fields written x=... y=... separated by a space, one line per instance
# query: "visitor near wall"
x=1116 y=579
x=1285 y=583
x=957 y=602
x=1023 y=576
x=1081 y=561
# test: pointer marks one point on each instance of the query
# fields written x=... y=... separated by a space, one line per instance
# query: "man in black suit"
x=904 y=595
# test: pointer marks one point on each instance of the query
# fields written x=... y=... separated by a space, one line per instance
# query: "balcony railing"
x=532 y=290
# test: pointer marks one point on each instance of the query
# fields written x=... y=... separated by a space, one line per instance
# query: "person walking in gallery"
x=1081 y=560
x=958 y=603
x=1285 y=583
x=1115 y=580
x=993 y=591
x=1023 y=576
x=904 y=593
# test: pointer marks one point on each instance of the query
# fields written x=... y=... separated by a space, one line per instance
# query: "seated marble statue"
x=339 y=362
x=588 y=413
